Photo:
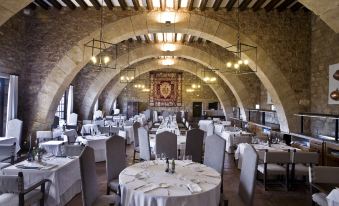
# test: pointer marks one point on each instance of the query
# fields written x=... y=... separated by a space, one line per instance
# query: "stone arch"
x=152 y=50
x=188 y=23
x=180 y=64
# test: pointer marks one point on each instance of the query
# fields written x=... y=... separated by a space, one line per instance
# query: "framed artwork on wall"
x=333 y=87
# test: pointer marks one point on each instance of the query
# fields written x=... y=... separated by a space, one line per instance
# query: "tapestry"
x=165 y=89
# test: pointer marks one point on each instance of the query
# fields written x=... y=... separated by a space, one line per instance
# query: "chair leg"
x=134 y=156
x=265 y=181
x=108 y=190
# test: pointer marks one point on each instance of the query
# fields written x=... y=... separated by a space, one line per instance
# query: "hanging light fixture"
x=240 y=51
x=102 y=52
x=209 y=76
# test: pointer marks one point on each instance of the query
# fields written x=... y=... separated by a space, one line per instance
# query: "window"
x=61 y=110
x=3 y=104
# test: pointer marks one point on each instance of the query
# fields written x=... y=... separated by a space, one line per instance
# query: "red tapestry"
x=165 y=89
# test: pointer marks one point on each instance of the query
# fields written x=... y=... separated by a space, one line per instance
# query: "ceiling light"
x=236 y=66
x=168 y=47
x=246 y=62
x=106 y=59
x=229 y=64
x=94 y=59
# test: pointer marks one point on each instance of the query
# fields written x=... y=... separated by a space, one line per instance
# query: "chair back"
x=97 y=115
x=276 y=157
x=109 y=118
x=71 y=136
x=104 y=130
x=155 y=116
x=12 y=183
x=115 y=157
x=165 y=114
x=144 y=144
x=89 y=182
x=14 y=129
x=73 y=150
x=75 y=127
x=116 y=111
x=43 y=136
x=194 y=144
x=7 y=152
x=210 y=129
x=73 y=119
x=324 y=174
x=248 y=175
x=178 y=117
x=55 y=122
x=128 y=123
x=100 y=123
x=136 y=126
x=166 y=142
x=310 y=158
x=215 y=152
x=86 y=122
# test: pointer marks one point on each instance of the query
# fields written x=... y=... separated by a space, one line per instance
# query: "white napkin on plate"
x=194 y=188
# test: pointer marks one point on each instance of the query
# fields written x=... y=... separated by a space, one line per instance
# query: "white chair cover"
x=14 y=129
x=73 y=119
x=116 y=111
x=44 y=135
x=97 y=114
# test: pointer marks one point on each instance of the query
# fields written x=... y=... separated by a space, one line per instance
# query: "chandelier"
x=240 y=63
x=209 y=76
x=102 y=52
x=127 y=75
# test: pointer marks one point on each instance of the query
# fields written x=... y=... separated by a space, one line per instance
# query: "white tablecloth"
x=10 y=140
x=98 y=143
x=333 y=198
x=52 y=147
x=203 y=124
x=238 y=155
x=65 y=179
x=89 y=129
x=129 y=134
x=235 y=138
x=135 y=180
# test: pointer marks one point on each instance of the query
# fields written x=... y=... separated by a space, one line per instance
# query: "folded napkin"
x=149 y=187
x=194 y=188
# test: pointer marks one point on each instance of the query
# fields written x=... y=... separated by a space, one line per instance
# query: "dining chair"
x=145 y=148
x=115 y=161
x=301 y=161
x=104 y=130
x=73 y=119
x=73 y=150
x=75 y=127
x=97 y=115
x=194 y=144
x=210 y=129
x=214 y=154
x=7 y=152
x=71 y=136
x=43 y=136
x=275 y=163
x=322 y=175
x=89 y=182
x=100 y=123
x=14 y=129
x=109 y=118
x=13 y=191
x=84 y=122
x=166 y=143
x=248 y=174
x=136 y=126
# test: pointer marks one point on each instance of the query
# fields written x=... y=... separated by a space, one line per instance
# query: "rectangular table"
x=98 y=143
x=52 y=147
x=10 y=140
x=65 y=177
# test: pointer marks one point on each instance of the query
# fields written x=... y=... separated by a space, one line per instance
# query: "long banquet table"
x=147 y=184
x=63 y=172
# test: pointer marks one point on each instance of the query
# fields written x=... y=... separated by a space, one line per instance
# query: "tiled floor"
x=275 y=197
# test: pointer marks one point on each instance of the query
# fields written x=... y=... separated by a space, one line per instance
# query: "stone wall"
x=325 y=52
x=204 y=95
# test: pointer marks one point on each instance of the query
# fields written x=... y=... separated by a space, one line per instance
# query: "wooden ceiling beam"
x=177 y=4
x=82 y=4
x=183 y=38
x=147 y=39
x=149 y=4
x=190 y=5
x=162 y=5
x=283 y=6
x=95 y=4
x=296 y=7
x=244 y=5
x=258 y=5
x=70 y=4
x=139 y=39
x=230 y=5
x=155 y=38
x=136 y=5
x=42 y=4
x=217 y=4
x=190 y=39
x=203 y=5
x=123 y=4
x=56 y=4
x=270 y=6
x=109 y=4
x=199 y=40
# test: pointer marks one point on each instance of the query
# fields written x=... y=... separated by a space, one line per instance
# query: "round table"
x=147 y=184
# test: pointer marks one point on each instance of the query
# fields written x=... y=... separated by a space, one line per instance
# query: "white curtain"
x=96 y=106
x=69 y=103
x=12 y=101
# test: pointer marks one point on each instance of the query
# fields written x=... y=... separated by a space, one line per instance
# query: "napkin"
x=149 y=187
x=194 y=188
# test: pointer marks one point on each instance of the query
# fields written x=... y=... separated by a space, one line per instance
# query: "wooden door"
x=197 y=109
